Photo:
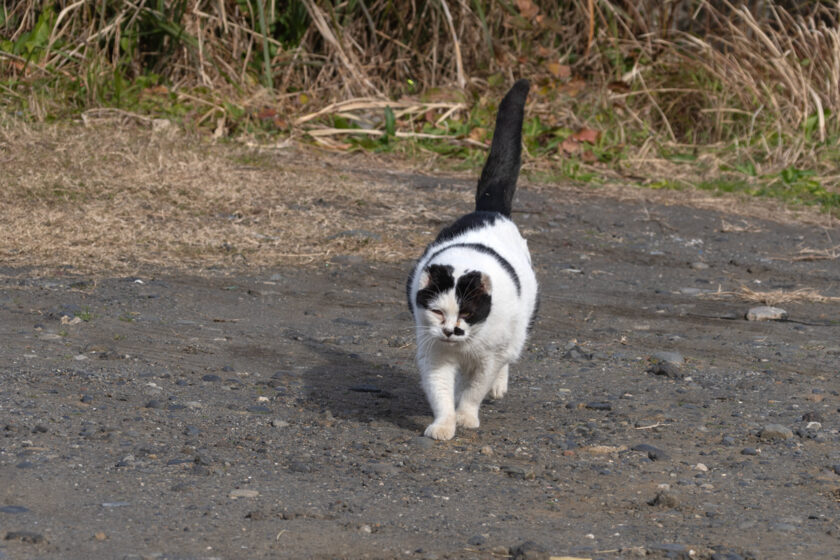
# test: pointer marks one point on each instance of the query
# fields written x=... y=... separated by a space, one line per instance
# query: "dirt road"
x=278 y=413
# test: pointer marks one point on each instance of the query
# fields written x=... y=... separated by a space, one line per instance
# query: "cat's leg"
x=475 y=389
x=439 y=385
x=500 y=385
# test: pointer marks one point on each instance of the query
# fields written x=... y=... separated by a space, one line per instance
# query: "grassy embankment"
x=679 y=95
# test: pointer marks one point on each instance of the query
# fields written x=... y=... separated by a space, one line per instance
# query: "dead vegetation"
x=142 y=198
x=773 y=297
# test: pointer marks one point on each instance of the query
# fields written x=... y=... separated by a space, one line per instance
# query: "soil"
x=277 y=412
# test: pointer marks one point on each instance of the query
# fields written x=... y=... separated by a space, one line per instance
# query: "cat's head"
x=451 y=307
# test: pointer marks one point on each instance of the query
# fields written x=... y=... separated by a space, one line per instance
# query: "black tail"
x=498 y=178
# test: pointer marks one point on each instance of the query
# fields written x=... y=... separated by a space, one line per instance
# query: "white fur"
x=459 y=371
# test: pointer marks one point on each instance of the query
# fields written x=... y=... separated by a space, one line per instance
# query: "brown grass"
x=774 y=297
x=115 y=196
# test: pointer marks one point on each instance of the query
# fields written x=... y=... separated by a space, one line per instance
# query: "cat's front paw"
x=467 y=419
x=441 y=430
x=498 y=390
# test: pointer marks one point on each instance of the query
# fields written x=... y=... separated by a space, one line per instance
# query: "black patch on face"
x=473 y=299
x=481 y=248
x=440 y=280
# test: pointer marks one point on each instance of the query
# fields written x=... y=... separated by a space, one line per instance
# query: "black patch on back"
x=440 y=280
x=503 y=262
x=534 y=313
x=465 y=223
x=473 y=300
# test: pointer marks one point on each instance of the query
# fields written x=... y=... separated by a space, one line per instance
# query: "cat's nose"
x=447 y=332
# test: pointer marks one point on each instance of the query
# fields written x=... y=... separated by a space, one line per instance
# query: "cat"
x=473 y=293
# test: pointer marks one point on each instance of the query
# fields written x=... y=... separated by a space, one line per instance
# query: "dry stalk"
x=773 y=297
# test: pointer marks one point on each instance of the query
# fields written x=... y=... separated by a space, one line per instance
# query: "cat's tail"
x=498 y=178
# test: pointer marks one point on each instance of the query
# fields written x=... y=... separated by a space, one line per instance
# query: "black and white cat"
x=473 y=293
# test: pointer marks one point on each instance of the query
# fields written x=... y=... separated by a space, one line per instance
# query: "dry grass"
x=774 y=297
x=114 y=194
x=118 y=197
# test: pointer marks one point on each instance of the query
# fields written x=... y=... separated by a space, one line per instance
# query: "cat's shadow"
x=363 y=390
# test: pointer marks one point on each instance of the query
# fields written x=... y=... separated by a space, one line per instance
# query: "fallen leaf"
x=588 y=157
x=544 y=52
x=477 y=134
x=587 y=135
x=267 y=113
x=570 y=146
x=618 y=87
x=572 y=88
x=527 y=8
x=156 y=90
x=558 y=70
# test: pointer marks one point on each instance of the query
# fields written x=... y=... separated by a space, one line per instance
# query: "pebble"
x=690 y=291
x=276 y=423
x=836 y=468
x=812 y=416
x=365 y=388
x=476 y=540
x=29 y=537
x=575 y=352
x=766 y=313
x=486 y=450
x=599 y=405
x=699 y=265
x=300 y=467
x=671 y=550
x=653 y=453
x=243 y=493
x=211 y=378
x=749 y=451
x=664 y=499
x=13 y=509
x=701 y=467
x=529 y=550
x=259 y=409
x=668 y=364
x=422 y=442
x=726 y=556
x=782 y=527
x=774 y=432
x=380 y=468
x=513 y=471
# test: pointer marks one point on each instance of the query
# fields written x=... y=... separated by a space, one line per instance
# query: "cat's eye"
x=437 y=312
x=464 y=315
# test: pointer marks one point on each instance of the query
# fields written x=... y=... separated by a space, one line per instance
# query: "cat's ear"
x=437 y=276
x=425 y=278
x=486 y=284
